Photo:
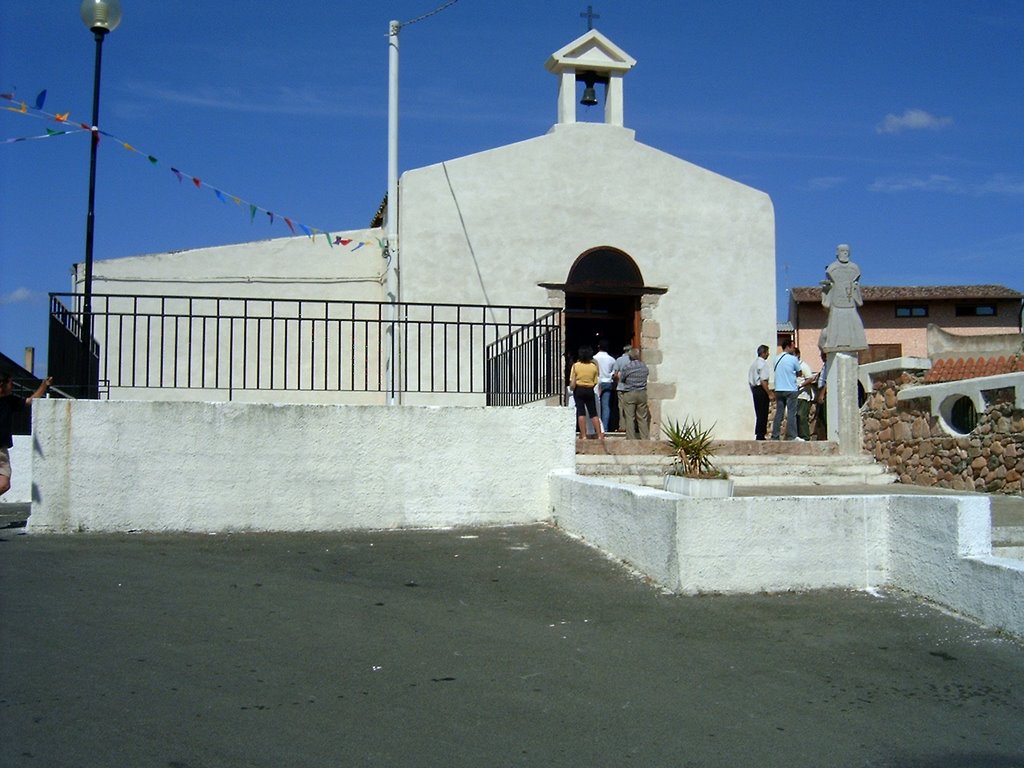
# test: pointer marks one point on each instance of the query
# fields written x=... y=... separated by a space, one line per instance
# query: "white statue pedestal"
x=844 y=421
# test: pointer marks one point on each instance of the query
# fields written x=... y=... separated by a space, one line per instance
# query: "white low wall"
x=938 y=547
x=740 y=544
x=634 y=523
x=156 y=466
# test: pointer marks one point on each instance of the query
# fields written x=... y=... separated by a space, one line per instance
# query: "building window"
x=975 y=310
x=911 y=310
x=963 y=416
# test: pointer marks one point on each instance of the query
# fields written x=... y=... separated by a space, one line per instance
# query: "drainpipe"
x=391 y=288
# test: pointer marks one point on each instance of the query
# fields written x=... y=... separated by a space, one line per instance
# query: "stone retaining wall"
x=914 y=444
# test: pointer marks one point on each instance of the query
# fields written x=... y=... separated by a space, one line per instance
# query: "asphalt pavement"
x=469 y=647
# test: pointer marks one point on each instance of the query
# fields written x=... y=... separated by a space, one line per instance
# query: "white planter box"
x=699 y=486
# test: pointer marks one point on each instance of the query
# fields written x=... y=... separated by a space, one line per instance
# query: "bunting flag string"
x=48 y=135
x=22 y=107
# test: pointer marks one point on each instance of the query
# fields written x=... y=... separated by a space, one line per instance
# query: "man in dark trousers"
x=9 y=405
x=757 y=378
x=787 y=368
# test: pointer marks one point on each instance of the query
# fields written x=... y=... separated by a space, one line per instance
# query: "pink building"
x=896 y=318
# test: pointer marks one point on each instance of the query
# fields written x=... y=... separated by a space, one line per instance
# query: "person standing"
x=583 y=383
x=9 y=405
x=787 y=367
x=805 y=396
x=605 y=363
x=620 y=362
x=633 y=378
x=821 y=406
x=757 y=378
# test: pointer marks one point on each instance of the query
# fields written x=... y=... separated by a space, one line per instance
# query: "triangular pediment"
x=593 y=52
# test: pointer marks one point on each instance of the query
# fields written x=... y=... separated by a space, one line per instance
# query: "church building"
x=635 y=245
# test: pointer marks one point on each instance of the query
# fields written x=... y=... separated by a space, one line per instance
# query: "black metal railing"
x=232 y=344
x=67 y=352
x=526 y=365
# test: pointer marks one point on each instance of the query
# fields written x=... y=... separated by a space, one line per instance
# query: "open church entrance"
x=602 y=301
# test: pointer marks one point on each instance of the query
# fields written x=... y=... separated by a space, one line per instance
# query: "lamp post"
x=100 y=16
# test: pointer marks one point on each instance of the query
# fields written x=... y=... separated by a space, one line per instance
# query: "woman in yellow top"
x=583 y=383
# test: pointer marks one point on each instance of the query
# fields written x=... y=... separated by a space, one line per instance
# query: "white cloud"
x=18 y=296
x=913 y=120
x=999 y=184
x=826 y=182
x=281 y=101
x=933 y=183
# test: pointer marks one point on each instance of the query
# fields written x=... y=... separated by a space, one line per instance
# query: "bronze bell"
x=589 y=96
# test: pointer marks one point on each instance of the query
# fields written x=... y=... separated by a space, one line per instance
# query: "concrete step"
x=597 y=460
x=824 y=460
x=653 y=480
x=759 y=470
x=618 y=445
x=14 y=514
x=801 y=468
x=822 y=479
x=1007 y=510
x=665 y=460
x=1008 y=536
x=1016 y=553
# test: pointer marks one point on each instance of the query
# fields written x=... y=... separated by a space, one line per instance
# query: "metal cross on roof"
x=589 y=15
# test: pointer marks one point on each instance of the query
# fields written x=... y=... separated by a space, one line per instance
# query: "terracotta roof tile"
x=956 y=369
x=806 y=294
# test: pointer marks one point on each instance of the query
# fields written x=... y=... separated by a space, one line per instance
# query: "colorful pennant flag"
x=21 y=107
x=50 y=133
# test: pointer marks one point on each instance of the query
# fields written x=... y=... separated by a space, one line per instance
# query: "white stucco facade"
x=287 y=267
x=495 y=226
x=506 y=226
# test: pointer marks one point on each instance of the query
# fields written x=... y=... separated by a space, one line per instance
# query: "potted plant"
x=693 y=472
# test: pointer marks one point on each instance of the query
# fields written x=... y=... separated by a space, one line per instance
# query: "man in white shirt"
x=605 y=363
x=757 y=378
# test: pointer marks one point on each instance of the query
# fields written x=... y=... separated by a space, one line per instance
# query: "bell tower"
x=594 y=60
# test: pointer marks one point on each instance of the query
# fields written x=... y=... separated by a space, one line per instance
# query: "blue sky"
x=897 y=127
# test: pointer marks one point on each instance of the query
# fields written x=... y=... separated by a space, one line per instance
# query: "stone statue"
x=840 y=295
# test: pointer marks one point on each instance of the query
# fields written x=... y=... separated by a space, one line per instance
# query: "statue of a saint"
x=840 y=295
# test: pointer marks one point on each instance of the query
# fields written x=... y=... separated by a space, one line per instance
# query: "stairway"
x=749 y=463
x=1008 y=526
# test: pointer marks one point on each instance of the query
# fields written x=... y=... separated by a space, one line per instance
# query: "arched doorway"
x=602 y=301
x=603 y=294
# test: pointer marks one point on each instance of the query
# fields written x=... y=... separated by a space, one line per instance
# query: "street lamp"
x=101 y=16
